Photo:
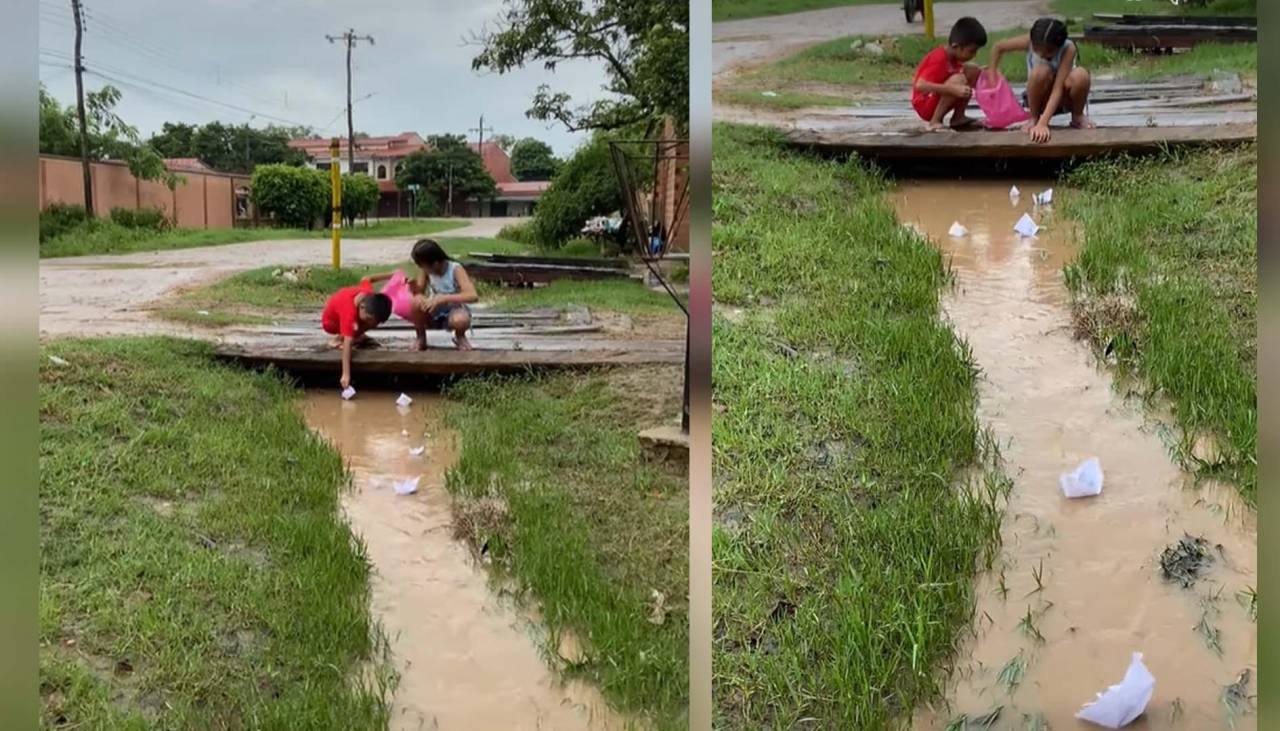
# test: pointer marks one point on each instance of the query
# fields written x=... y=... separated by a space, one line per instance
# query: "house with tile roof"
x=381 y=157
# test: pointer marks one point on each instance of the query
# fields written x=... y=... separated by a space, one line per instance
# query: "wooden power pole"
x=480 y=132
x=350 y=39
x=84 y=131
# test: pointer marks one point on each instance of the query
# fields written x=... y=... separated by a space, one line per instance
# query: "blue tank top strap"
x=447 y=283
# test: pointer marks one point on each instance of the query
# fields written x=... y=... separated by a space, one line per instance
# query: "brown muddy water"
x=467 y=658
x=1100 y=594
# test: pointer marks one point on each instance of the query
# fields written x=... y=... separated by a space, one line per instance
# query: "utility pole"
x=480 y=142
x=450 y=198
x=350 y=39
x=84 y=131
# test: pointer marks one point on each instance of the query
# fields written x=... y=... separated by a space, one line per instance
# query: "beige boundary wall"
x=205 y=200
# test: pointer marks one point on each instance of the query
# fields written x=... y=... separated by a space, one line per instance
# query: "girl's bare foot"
x=336 y=342
x=1082 y=122
x=462 y=342
x=419 y=344
x=959 y=122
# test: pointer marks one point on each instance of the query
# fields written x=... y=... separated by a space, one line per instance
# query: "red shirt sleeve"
x=934 y=68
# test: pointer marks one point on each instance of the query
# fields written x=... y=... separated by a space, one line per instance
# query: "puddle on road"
x=466 y=658
x=1051 y=407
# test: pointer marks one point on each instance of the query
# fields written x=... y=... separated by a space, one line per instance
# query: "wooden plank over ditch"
x=1065 y=143
x=446 y=361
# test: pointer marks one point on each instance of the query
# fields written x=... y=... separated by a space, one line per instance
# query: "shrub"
x=580 y=246
x=427 y=206
x=151 y=219
x=59 y=218
x=521 y=233
x=359 y=196
x=586 y=186
x=295 y=196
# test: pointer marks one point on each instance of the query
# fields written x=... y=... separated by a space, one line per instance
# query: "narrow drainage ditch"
x=1077 y=586
x=466 y=657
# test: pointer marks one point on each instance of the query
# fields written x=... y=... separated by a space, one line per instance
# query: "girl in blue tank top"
x=442 y=292
x=1056 y=83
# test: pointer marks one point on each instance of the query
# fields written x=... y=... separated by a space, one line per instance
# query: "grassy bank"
x=105 y=237
x=195 y=572
x=845 y=540
x=552 y=480
x=1166 y=284
x=740 y=9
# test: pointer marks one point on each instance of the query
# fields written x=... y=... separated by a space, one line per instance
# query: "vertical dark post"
x=684 y=415
x=351 y=130
x=84 y=131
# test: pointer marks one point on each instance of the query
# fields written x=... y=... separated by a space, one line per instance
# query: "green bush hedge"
x=296 y=197
x=586 y=186
x=152 y=219
x=59 y=218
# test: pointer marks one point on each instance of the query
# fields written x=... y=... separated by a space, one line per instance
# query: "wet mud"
x=467 y=658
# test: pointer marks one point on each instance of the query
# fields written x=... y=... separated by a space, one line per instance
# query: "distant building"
x=186 y=165
x=381 y=157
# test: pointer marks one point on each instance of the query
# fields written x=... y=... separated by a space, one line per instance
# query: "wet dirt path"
x=466 y=658
x=1051 y=406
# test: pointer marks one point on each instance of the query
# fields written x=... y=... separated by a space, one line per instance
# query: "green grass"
x=106 y=237
x=835 y=64
x=845 y=539
x=743 y=97
x=1166 y=283
x=260 y=295
x=551 y=477
x=1084 y=9
x=628 y=296
x=195 y=571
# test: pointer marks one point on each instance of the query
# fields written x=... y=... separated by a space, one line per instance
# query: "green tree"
x=229 y=148
x=108 y=136
x=643 y=44
x=359 y=196
x=295 y=196
x=585 y=187
x=431 y=168
x=533 y=160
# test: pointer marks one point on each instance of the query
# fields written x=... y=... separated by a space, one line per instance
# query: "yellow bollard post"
x=928 y=19
x=335 y=180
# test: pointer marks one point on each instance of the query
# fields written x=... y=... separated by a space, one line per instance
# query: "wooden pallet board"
x=444 y=361
x=539 y=273
x=1151 y=37
x=1066 y=143
x=570 y=261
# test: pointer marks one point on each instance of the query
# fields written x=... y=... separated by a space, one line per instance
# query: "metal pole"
x=351 y=130
x=928 y=19
x=335 y=181
x=684 y=415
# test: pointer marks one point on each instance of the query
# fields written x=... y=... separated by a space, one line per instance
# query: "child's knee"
x=1078 y=78
x=1041 y=75
x=459 y=320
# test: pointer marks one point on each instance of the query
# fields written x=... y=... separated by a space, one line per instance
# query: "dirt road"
x=112 y=295
x=741 y=43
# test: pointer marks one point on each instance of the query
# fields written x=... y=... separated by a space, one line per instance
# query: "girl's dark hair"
x=427 y=251
x=379 y=305
x=1048 y=33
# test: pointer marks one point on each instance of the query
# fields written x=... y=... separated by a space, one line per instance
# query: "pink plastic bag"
x=397 y=288
x=997 y=102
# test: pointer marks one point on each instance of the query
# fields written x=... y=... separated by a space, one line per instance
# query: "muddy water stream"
x=466 y=658
x=1100 y=595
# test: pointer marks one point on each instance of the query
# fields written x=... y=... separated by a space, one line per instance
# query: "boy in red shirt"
x=944 y=79
x=349 y=313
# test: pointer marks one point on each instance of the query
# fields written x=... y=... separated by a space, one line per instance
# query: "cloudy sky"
x=271 y=58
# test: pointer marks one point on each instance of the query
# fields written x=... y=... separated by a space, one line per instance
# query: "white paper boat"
x=1119 y=705
x=958 y=231
x=1085 y=481
x=348 y=392
x=404 y=432
x=406 y=487
x=1014 y=193
x=1044 y=197
x=403 y=400
x=1026 y=226
x=57 y=361
x=417 y=451
x=768 y=93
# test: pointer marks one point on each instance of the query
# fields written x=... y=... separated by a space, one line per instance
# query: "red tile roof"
x=187 y=164
x=395 y=146
x=528 y=189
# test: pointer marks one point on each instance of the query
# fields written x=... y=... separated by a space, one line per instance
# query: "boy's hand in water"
x=345 y=382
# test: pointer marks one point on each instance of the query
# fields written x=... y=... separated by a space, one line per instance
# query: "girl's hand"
x=1039 y=132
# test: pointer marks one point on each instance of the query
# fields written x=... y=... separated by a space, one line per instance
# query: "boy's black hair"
x=428 y=251
x=967 y=32
x=1048 y=33
x=378 y=305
